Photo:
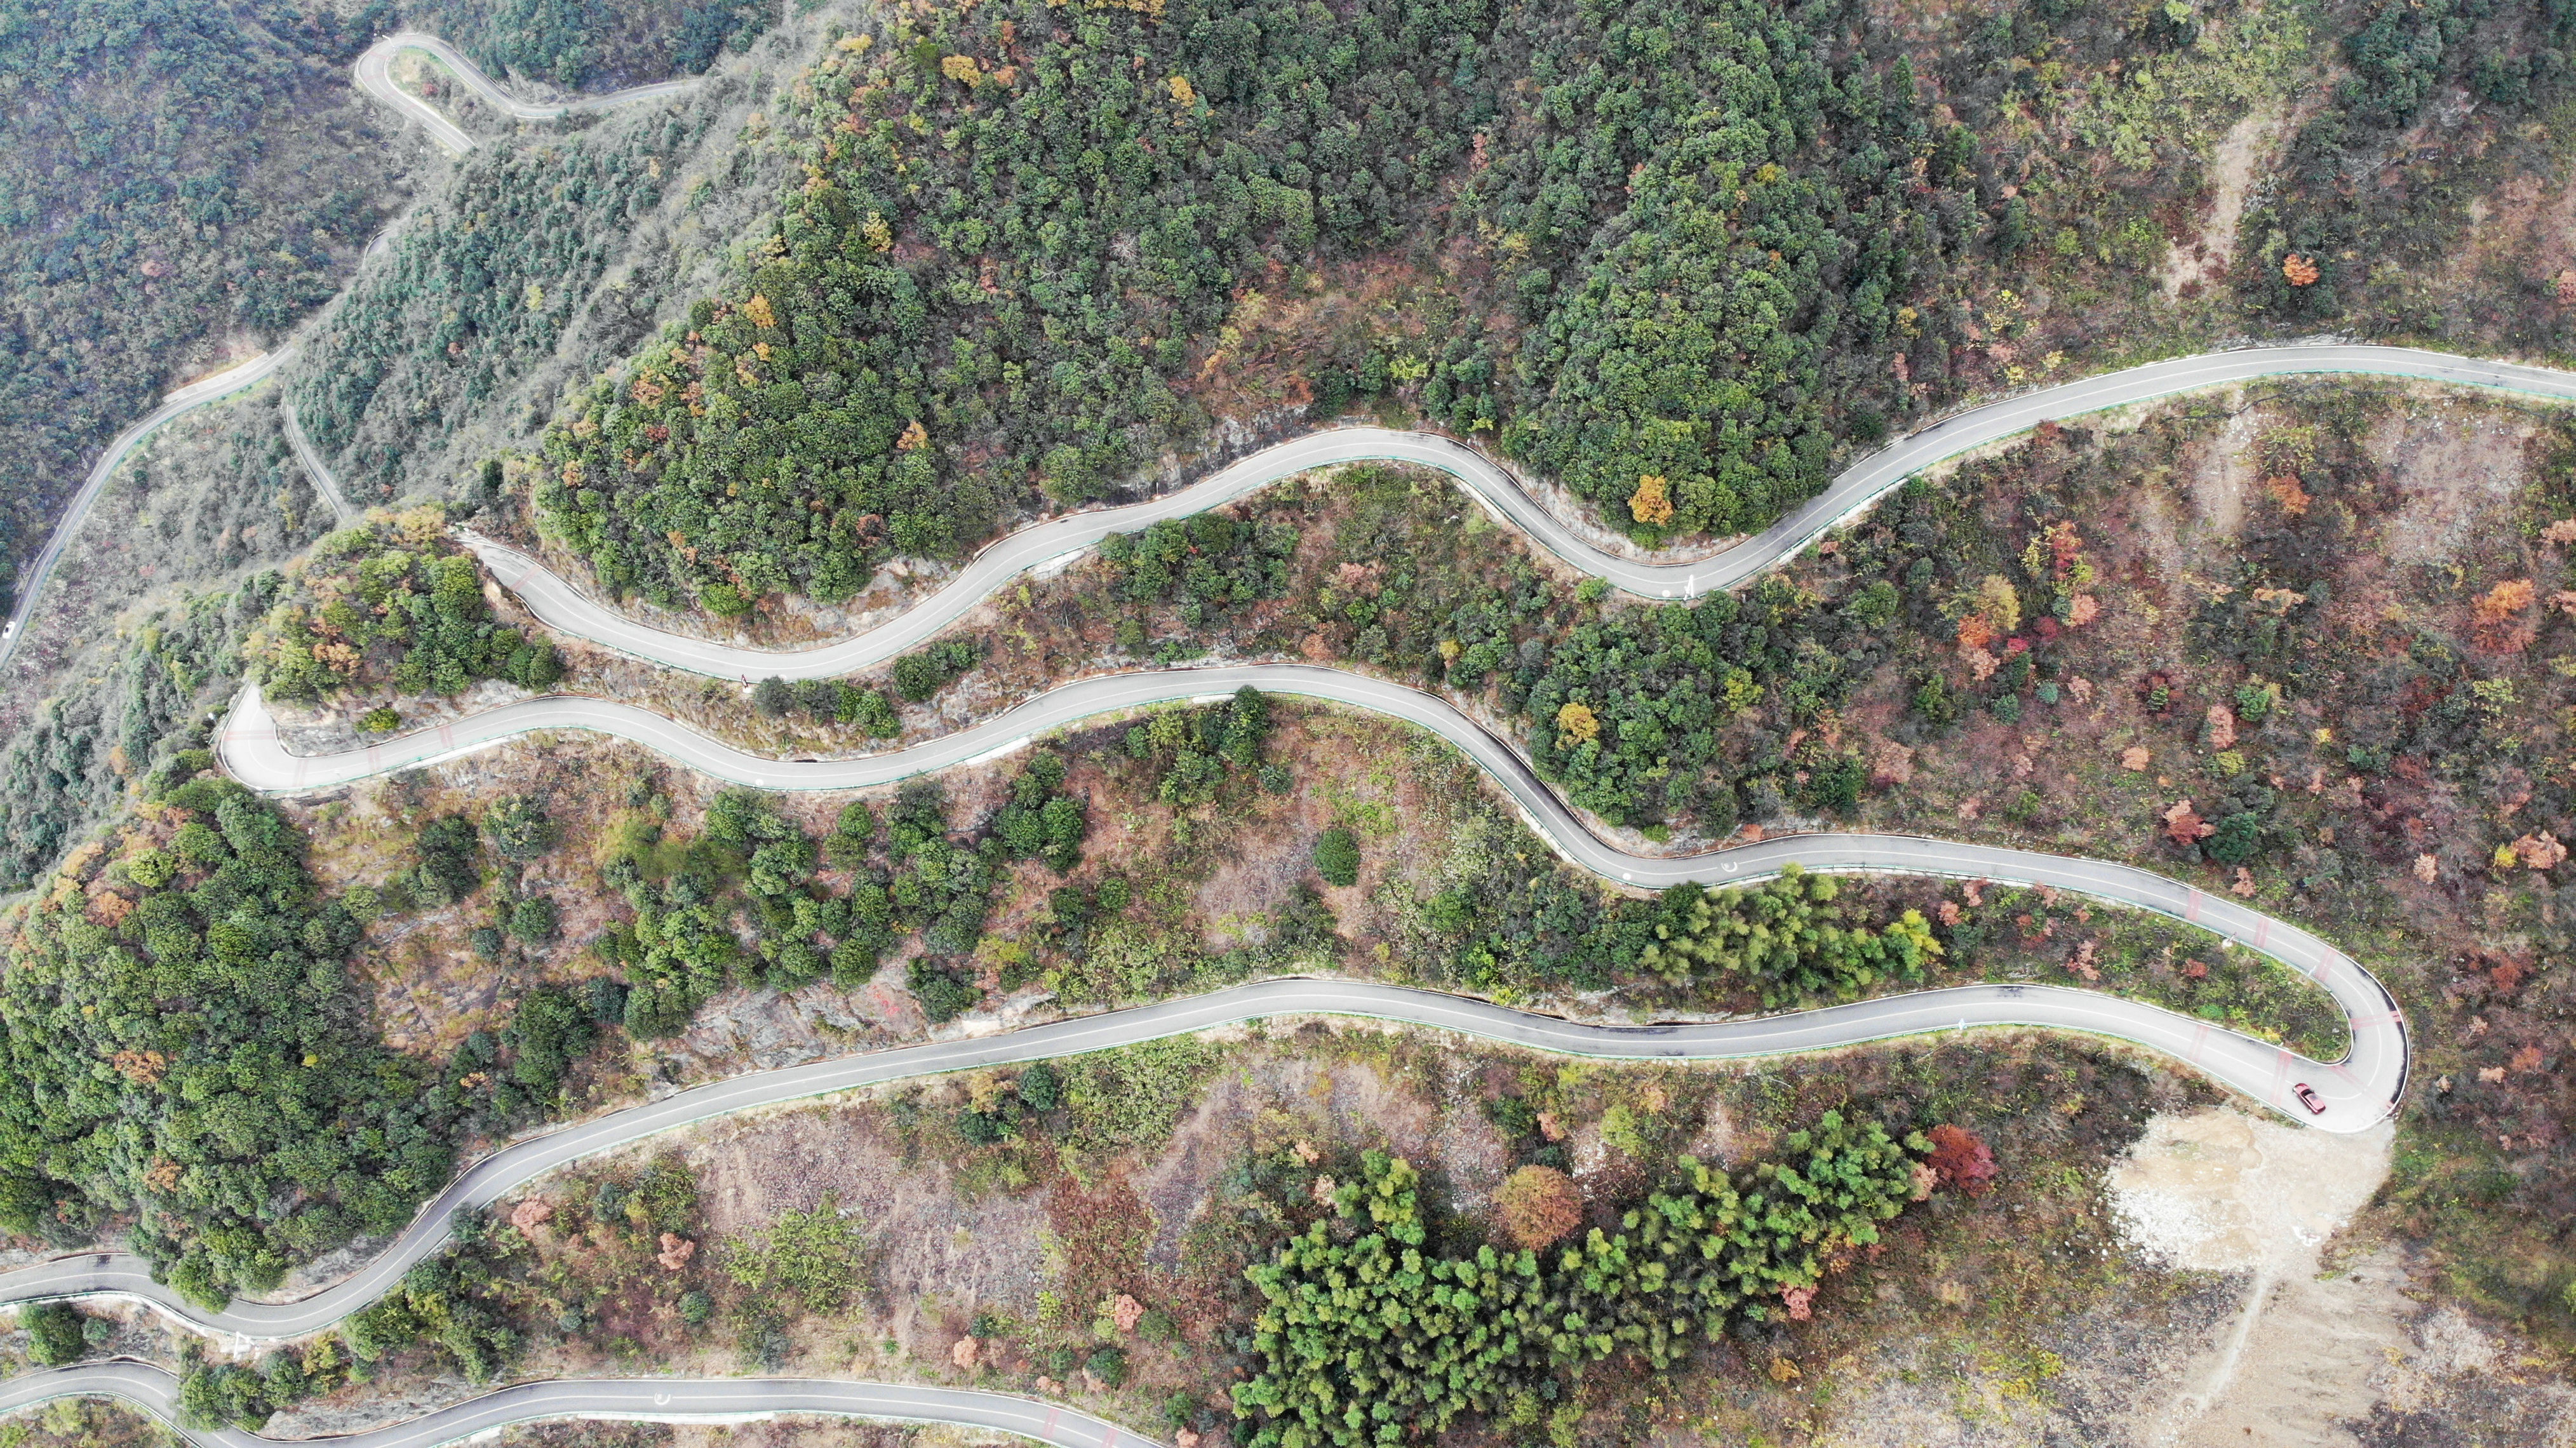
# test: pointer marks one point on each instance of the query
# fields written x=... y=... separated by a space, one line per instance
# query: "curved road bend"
x=375 y=76
x=31 y=584
x=563 y=607
x=156 y=1391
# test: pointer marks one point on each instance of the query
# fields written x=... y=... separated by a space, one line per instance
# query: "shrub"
x=532 y=920
x=1041 y=821
x=54 y=1336
x=1961 y=1160
x=1041 y=1086
x=943 y=996
x=920 y=676
x=549 y=1032
x=449 y=861
x=2239 y=838
x=1539 y=1204
x=1337 y=857
x=2253 y=703
x=811 y=1259
x=1109 y=1364
x=517 y=828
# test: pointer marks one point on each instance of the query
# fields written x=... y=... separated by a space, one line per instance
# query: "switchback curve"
x=374 y=74
x=2357 y=1094
x=2359 y=1091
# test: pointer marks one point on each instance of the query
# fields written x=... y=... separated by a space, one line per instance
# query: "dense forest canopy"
x=1021 y=226
x=593 y=44
x=1377 y=1333
x=184 y=1045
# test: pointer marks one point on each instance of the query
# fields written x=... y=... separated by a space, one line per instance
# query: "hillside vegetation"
x=482 y=285
x=178 y=181
x=1021 y=229
x=589 y=45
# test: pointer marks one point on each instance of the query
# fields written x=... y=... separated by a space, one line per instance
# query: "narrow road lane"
x=314 y=468
x=680 y=1400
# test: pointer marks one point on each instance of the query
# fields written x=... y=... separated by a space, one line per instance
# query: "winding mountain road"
x=2360 y=1090
x=156 y=1390
x=371 y=73
x=564 y=607
x=2357 y=1093
x=374 y=74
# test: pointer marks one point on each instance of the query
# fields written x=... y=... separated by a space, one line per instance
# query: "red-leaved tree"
x=1962 y=1160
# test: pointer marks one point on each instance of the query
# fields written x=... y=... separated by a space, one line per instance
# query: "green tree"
x=1337 y=856
x=1372 y=1332
x=54 y=1335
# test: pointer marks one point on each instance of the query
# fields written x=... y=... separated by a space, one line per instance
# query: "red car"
x=2308 y=1098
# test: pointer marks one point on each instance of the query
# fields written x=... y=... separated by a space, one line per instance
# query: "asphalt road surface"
x=565 y=608
x=156 y=1391
x=323 y=482
x=2356 y=1093
x=375 y=76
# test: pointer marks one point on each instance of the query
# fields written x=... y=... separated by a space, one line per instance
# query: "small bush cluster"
x=749 y=897
x=391 y=605
x=1208 y=564
x=1197 y=753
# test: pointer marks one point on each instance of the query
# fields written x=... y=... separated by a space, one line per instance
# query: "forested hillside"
x=1023 y=228
x=179 y=181
x=143 y=631
x=67 y=768
x=484 y=282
